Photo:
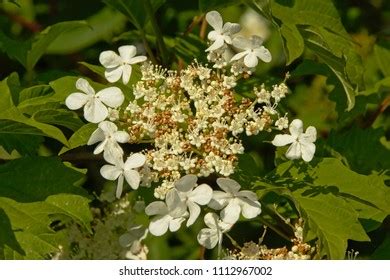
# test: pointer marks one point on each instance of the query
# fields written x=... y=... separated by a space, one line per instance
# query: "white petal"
x=108 y=127
x=138 y=59
x=296 y=128
x=211 y=220
x=135 y=161
x=194 y=210
x=309 y=136
x=308 y=150
x=250 y=60
x=263 y=53
x=159 y=225
x=250 y=209
x=231 y=212
x=84 y=86
x=176 y=206
x=215 y=20
x=242 y=43
x=76 y=100
x=256 y=42
x=100 y=148
x=294 y=151
x=110 y=172
x=228 y=185
x=219 y=200
x=186 y=183
x=110 y=59
x=201 y=194
x=126 y=73
x=121 y=136
x=212 y=36
x=127 y=52
x=119 y=187
x=239 y=55
x=133 y=178
x=112 y=96
x=113 y=74
x=282 y=140
x=231 y=28
x=174 y=224
x=96 y=136
x=156 y=208
x=113 y=153
x=208 y=238
x=95 y=111
x=218 y=43
x=248 y=194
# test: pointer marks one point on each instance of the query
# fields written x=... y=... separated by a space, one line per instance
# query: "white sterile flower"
x=169 y=215
x=193 y=195
x=253 y=51
x=222 y=32
x=234 y=201
x=118 y=66
x=95 y=109
x=302 y=144
x=108 y=135
x=124 y=170
x=211 y=236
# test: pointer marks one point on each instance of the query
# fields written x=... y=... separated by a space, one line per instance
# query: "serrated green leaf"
x=16 y=136
x=332 y=198
x=34 y=192
x=80 y=137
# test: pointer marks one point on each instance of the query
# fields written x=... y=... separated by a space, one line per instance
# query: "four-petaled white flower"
x=253 y=50
x=211 y=236
x=302 y=144
x=121 y=171
x=193 y=195
x=167 y=215
x=118 y=66
x=222 y=32
x=234 y=201
x=95 y=109
x=108 y=135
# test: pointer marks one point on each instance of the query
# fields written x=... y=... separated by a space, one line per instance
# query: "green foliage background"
x=338 y=55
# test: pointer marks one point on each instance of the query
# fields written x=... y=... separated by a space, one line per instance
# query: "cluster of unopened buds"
x=193 y=121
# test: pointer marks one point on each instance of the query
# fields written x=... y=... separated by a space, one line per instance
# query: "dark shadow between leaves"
x=7 y=235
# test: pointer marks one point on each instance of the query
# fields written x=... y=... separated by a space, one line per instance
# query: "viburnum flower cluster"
x=192 y=122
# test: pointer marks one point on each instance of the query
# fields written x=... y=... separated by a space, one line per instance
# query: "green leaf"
x=134 y=10
x=101 y=26
x=331 y=198
x=59 y=117
x=382 y=56
x=34 y=193
x=29 y=52
x=208 y=5
x=358 y=145
x=19 y=137
x=316 y=25
x=332 y=220
x=80 y=137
